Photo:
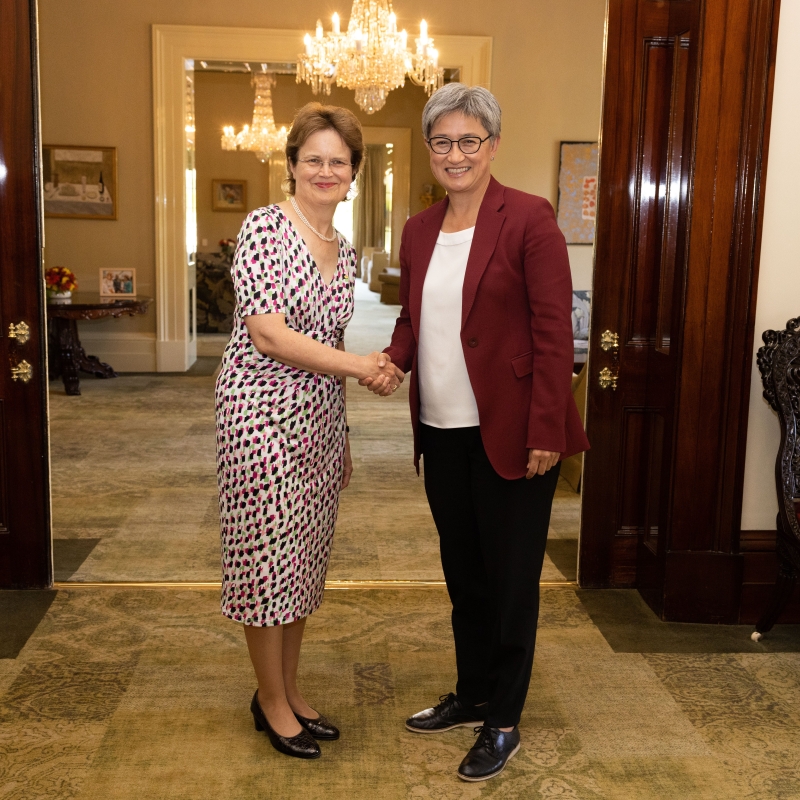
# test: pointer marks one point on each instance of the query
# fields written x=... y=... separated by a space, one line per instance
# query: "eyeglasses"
x=467 y=144
x=316 y=164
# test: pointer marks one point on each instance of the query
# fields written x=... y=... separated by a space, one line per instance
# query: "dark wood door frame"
x=702 y=564
x=733 y=78
x=25 y=547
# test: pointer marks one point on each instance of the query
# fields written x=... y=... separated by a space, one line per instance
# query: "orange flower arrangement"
x=60 y=279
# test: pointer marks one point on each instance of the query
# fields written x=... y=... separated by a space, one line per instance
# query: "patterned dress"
x=280 y=430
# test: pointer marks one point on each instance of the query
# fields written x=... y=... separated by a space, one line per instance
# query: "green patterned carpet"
x=129 y=694
x=134 y=480
x=123 y=694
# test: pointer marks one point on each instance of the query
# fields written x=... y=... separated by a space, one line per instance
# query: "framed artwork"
x=229 y=195
x=117 y=282
x=577 y=191
x=80 y=182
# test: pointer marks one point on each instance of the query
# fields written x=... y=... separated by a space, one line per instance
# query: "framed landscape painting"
x=577 y=191
x=80 y=182
x=229 y=195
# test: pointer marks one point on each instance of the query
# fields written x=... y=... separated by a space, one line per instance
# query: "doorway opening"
x=167 y=480
x=155 y=515
x=378 y=168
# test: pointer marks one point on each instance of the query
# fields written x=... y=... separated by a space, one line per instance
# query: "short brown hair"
x=314 y=117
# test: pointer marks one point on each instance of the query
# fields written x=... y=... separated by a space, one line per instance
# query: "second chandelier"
x=262 y=137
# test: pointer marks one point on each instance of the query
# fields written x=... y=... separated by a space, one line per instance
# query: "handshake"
x=380 y=375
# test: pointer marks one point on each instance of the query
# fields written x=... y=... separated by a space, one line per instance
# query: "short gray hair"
x=471 y=101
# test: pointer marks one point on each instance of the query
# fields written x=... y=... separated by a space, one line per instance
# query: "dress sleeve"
x=258 y=265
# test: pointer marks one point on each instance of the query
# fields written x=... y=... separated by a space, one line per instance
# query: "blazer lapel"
x=424 y=244
x=487 y=232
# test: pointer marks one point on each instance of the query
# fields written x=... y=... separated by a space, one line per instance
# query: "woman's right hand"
x=379 y=374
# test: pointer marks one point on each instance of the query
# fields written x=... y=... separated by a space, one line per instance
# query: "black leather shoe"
x=450 y=713
x=300 y=746
x=320 y=728
x=490 y=754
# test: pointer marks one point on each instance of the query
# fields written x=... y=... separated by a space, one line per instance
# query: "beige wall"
x=96 y=90
x=779 y=276
x=224 y=99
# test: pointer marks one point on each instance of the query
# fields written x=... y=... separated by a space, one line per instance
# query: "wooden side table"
x=66 y=355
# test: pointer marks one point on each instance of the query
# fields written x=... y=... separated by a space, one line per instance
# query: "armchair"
x=779 y=363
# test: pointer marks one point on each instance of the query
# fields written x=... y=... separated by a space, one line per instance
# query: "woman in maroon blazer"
x=485 y=330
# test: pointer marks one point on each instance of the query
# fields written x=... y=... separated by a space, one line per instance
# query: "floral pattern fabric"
x=280 y=430
x=215 y=297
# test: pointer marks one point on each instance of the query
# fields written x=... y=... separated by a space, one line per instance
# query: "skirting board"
x=212 y=344
x=125 y=352
x=175 y=355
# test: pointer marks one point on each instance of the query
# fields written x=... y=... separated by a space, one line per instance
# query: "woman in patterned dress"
x=282 y=449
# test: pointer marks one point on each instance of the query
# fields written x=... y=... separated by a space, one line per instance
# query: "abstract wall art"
x=577 y=191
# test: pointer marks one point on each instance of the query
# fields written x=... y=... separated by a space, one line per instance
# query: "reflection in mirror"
x=134 y=494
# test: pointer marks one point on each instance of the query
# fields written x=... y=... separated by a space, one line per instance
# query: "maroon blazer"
x=516 y=326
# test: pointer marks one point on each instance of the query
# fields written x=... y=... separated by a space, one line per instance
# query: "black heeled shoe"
x=320 y=728
x=300 y=746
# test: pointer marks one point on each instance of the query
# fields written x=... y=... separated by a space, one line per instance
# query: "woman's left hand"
x=348 y=463
x=539 y=461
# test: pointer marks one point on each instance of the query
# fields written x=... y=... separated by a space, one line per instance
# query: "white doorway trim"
x=173 y=46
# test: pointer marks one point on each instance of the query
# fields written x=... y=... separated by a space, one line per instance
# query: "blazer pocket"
x=523 y=365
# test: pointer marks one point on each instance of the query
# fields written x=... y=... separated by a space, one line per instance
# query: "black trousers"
x=492 y=535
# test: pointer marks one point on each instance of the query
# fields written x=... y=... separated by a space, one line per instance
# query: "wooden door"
x=687 y=89
x=641 y=263
x=25 y=560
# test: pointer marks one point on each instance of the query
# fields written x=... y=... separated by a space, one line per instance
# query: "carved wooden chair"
x=779 y=363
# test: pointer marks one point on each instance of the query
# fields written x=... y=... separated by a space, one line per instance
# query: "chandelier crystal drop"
x=262 y=137
x=372 y=58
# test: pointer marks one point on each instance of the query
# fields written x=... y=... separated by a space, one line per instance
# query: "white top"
x=446 y=396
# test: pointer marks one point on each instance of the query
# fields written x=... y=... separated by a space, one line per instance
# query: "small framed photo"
x=117 y=282
x=79 y=182
x=229 y=195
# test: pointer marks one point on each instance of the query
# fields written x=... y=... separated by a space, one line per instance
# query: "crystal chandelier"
x=262 y=137
x=372 y=58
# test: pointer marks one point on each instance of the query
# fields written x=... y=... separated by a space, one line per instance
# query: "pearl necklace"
x=308 y=224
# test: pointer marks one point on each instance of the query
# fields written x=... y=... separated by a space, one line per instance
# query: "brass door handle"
x=607 y=379
x=21 y=332
x=22 y=372
x=609 y=341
